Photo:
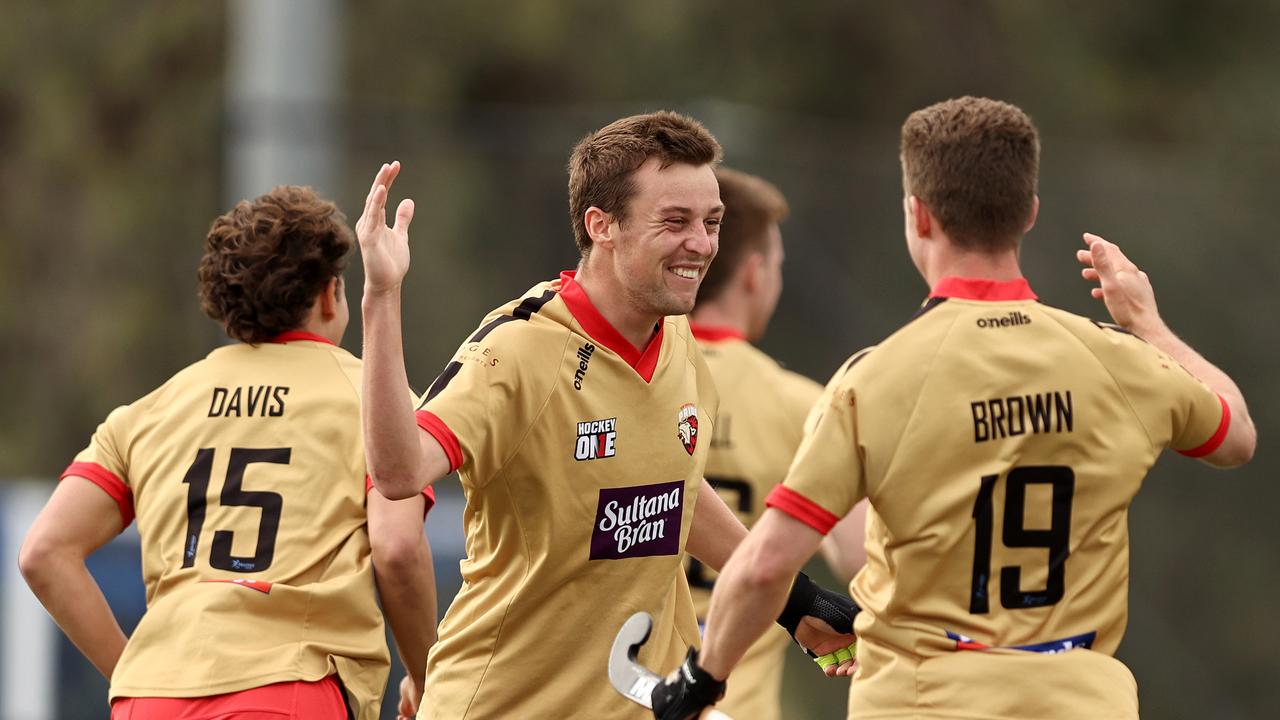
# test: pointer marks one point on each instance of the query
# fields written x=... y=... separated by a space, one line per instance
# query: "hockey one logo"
x=596 y=439
x=687 y=427
x=638 y=521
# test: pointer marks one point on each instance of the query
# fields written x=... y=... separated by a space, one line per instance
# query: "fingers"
x=404 y=215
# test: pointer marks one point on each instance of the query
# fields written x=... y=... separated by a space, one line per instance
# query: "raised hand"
x=385 y=250
x=1122 y=286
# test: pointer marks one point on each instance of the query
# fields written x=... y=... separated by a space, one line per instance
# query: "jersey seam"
x=537 y=414
x=1119 y=387
x=524 y=580
x=524 y=584
x=915 y=406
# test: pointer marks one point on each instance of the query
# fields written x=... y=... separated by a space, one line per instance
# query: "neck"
x=610 y=299
x=315 y=324
x=722 y=315
x=1001 y=266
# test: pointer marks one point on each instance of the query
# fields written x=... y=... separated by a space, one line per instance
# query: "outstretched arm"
x=752 y=590
x=1131 y=300
x=403 y=459
x=78 y=519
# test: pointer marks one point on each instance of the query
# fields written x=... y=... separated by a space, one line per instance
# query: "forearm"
x=715 y=531
x=75 y=602
x=745 y=603
x=393 y=443
x=408 y=593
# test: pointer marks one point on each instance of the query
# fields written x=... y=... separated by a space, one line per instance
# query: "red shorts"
x=320 y=700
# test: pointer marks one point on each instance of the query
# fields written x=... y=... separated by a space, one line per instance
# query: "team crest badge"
x=687 y=427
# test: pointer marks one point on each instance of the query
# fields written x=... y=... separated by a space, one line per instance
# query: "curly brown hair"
x=974 y=162
x=603 y=163
x=267 y=259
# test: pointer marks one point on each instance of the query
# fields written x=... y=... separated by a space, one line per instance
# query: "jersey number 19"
x=1056 y=539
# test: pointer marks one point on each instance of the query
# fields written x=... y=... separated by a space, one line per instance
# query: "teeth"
x=687 y=273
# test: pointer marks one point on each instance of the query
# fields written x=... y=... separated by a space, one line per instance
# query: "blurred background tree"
x=1160 y=122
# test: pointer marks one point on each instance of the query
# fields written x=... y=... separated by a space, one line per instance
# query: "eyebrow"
x=686 y=211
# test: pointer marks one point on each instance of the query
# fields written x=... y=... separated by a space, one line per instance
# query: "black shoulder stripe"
x=523 y=311
x=1116 y=328
x=443 y=380
x=928 y=305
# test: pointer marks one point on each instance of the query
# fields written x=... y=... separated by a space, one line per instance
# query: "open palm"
x=384 y=249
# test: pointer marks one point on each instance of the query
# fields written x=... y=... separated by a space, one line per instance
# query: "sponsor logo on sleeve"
x=596 y=439
x=687 y=427
x=640 y=521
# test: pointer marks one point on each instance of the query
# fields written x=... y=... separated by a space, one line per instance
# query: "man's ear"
x=1035 y=210
x=751 y=271
x=329 y=298
x=921 y=216
x=600 y=226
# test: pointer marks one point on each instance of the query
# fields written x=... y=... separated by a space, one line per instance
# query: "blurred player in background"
x=246 y=472
x=577 y=417
x=762 y=412
x=1000 y=442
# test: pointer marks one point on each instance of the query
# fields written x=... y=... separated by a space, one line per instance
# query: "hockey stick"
x=627 y=675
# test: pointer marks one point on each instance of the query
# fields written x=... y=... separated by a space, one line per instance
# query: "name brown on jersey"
x=996 y=418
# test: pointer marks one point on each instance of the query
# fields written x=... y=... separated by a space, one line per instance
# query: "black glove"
x=686 y=692
x=809 y=598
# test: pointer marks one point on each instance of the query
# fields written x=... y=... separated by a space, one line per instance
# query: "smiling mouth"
x=686 y=273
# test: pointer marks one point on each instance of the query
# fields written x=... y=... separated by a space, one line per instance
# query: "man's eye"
x=676 y=221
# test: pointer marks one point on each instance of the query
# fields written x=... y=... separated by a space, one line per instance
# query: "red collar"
x=977 y=289
x=712 y=333
x=296 y=335
x=580 y=306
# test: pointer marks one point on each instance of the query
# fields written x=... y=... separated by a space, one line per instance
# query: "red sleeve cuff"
x=428 y=493
x=109 y=482
x=428 y=421
x=801 y=508
x=1216 y=439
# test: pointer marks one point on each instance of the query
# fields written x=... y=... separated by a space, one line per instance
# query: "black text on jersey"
x=584 y=359
x=248 y=401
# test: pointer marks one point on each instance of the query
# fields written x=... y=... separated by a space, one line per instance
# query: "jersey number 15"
x=197 y=481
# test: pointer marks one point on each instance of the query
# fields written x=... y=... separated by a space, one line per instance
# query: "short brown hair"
x=974 y=163
x=267 y=259
x=752 y=205
x=602 y=163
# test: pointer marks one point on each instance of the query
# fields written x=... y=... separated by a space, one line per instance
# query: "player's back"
x=1001 y=442
x=246 y=471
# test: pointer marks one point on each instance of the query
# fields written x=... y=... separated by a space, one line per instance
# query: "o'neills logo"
x=1013 y=319
x=584 y=359
x=687 y=427
x=638 y=521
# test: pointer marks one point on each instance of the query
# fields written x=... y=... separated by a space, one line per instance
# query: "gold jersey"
x=760 y=424
x=1000 y=442
x=581 y=458
x=247 y=474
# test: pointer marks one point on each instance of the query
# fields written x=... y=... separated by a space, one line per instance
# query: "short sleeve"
x=826 y=478
x=476 y=409
x=104 y=464
x=1178 y=410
